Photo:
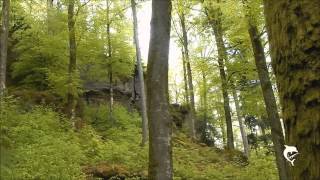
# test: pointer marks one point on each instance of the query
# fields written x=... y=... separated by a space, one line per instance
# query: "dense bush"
x=121 y=135
x=39 y=144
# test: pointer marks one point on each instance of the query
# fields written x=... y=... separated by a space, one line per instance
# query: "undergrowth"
x=40 y=143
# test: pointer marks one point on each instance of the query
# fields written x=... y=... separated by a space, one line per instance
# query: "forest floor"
x=39 y=143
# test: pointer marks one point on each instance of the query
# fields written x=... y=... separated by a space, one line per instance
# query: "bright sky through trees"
x=144 y=17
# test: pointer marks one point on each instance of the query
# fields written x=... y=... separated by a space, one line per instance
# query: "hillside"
x=39 y=143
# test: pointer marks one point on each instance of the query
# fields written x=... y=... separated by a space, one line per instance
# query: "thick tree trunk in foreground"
x=215 y=22
x=160 y=124
x=294 y=37
x=189 y=74
x=270 y=100
x=72 y=61
x=140 y=74
x=4 y=44
x=242 y=128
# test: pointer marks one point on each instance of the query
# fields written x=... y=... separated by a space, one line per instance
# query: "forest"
x=160 y=90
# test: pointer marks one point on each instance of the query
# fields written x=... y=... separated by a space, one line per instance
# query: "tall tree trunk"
x=110 y=73
x=227 y=110
x=49 y=15
x=205 y=106
x=223 y=132
x=135 y=81
x=189 y=74
x=71 y=96
x=242 y=128
x=269 y=99
x=4 y=44
x=293 y=29
x=215 y=22
x=186 y=89
x=268 y=95
x=140 y=74
x=160 y=125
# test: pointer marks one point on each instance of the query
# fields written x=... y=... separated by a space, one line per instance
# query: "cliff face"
x=99 y=92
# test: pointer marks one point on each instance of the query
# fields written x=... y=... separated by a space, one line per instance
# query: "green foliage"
x=40 y=145
x=192 y=161
x=122 y=136
x=260 y=167
x=41 y=46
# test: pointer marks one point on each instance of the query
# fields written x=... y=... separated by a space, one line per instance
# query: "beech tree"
x=187 y=68
x=241 y=126
x=160 y=125
x=294 y=38
x=214 y=18
x=268 y=95
x=140 y=74
x=4 y=44
x=71 y=95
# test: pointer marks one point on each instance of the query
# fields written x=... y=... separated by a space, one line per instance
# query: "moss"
x=294 y=28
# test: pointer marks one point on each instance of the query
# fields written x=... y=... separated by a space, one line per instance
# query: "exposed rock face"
x=180 y=115
x=99 y=92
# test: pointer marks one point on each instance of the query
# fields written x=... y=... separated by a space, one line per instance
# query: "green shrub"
x=121 y=135
x=41 y=145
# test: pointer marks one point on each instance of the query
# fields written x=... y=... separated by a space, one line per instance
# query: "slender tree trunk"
x=205 y=106
x=4 y=44
x=223 y=132
x=189 y=74
x=71 y=96
x=140 y=74
x=160 y=125
x=268 y=95
x=269 y=99
x=110 y=73
x=226 y=101
x=134 y=84
x=293 y=29
x=185 y=78
x=242 y=128
x=49 y=15
x=222 y=56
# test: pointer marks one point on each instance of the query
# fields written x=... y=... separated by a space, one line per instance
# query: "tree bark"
x=293 y=29
x=186 y=89
x=269 y=99
x=189 y=74
x=4 y=44
x=110 y=74
x=222 y=56
x=71 y=95
x=140 y=74
x=160 y=125
x=49 y=15
x=205 y=103
x=268 y=95
x=242 y=128
x=223 y=132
